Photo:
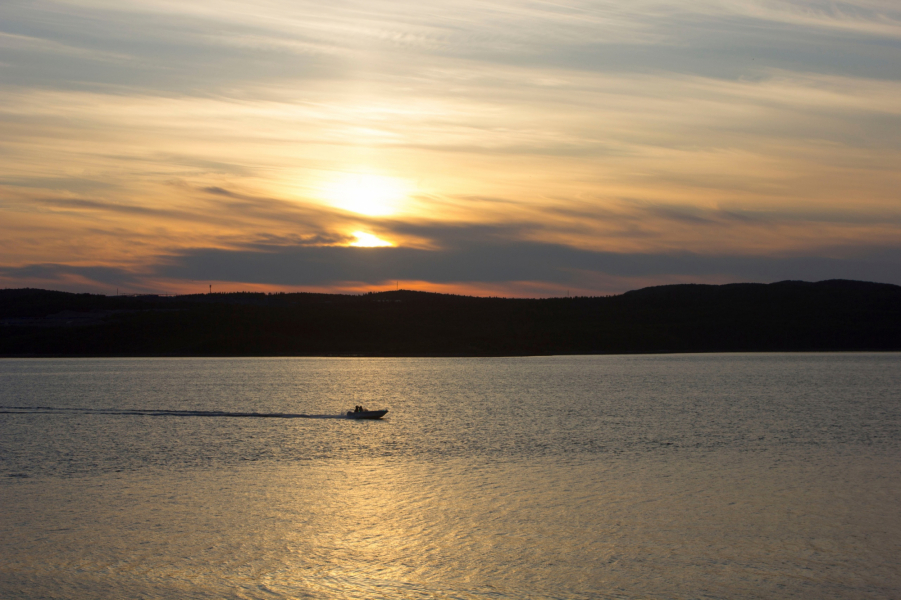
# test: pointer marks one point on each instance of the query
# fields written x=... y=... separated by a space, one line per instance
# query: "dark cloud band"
x=475 y=263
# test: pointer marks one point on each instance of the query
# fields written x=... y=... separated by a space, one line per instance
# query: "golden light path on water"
x=732 y=526
x=682 y=476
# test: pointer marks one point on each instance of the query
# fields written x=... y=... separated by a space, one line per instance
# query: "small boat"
x=367 y=414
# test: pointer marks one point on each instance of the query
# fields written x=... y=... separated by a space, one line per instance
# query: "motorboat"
x=367 y=414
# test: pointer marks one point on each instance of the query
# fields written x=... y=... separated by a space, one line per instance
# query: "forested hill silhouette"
x=785 y=316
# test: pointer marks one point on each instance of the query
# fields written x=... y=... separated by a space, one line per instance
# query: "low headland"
x=789 y=316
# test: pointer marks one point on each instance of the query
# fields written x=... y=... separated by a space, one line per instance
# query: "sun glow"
x=366 y=194
x=367 y=240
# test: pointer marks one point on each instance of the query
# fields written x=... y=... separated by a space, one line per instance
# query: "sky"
x=511 y=148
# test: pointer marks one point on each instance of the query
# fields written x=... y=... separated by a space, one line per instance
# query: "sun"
x=366 y=193
x=367 y=240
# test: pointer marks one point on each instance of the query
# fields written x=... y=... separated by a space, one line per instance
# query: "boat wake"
x=44 y=410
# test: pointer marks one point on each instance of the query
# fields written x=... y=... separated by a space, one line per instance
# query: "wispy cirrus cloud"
x=590 y=131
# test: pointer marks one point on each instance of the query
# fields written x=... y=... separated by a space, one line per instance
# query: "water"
x=688 y=476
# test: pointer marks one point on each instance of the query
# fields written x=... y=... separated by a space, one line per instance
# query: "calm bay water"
x=688 y=476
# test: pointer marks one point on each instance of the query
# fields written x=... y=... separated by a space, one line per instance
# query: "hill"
x=785 y=316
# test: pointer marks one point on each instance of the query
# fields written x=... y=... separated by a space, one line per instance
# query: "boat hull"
x=367 y=414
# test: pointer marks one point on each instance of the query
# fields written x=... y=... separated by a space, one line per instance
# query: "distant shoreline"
x=317 y=356
x=791 y=316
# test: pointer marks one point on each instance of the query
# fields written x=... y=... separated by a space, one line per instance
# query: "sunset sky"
x=516 y=148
